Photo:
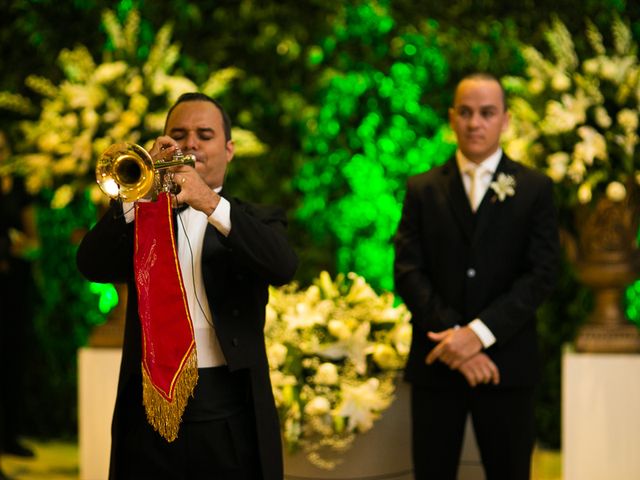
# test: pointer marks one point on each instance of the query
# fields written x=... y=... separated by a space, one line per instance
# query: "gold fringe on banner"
x=165 y=416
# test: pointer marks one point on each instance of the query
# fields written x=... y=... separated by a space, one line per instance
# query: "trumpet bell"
x=125 y=171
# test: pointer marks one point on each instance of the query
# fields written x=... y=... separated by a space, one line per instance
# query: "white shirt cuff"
x=221 y=217
x=482 y=331
x=129 y=210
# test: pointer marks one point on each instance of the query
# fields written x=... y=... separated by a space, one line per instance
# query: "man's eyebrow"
x=482 y=108
x=199 y=129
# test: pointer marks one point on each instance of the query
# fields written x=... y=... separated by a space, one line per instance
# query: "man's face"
x=197 y=127
x=478 y=118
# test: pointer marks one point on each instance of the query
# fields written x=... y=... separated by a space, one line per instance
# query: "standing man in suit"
x=476 y=254
x=229 y=253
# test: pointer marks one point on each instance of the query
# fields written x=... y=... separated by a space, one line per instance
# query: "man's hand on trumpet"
x=163 y=149
x=193 y=190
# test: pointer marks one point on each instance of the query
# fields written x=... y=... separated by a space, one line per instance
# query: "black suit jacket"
x=498 y=265
x=237 y=271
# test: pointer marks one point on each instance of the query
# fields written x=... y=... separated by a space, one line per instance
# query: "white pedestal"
x=97 y=385
x=384 y=452
x=601 y=416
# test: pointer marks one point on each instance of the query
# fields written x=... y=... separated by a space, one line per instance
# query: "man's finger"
x=471 y=380
x=496 y=374
x=474 y=377
x=438 y=336
x=432 y=357
x=434 y=354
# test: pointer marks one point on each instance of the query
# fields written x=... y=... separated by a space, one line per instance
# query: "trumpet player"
x=211 y=414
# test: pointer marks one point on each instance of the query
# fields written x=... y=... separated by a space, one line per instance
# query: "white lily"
x=355 y=348
x=504 y=186
x=360 y=404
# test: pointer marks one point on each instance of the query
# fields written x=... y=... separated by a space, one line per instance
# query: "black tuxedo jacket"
x=237 y=271
x=498 y=265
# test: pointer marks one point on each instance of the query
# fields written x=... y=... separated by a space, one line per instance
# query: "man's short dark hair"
x=485 y=76
x=201 y=97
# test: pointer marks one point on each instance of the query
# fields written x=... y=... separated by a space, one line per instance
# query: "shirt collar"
x=489 y=164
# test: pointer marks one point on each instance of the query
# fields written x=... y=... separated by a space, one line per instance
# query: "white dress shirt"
x=190 y=226
x=477 y=177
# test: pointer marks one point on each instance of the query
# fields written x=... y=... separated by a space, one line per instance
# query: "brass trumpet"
x=126 y=171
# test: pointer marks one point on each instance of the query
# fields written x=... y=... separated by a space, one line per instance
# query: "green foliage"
x=632 y=303
x=108 y=296
x=373 y=129
x=31 y=35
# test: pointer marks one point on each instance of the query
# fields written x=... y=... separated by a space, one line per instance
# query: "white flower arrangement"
x=123 y=99
x=504 y=186
x=335 y=350
x=578 y=119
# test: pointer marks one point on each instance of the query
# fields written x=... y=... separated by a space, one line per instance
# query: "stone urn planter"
x=608 y=261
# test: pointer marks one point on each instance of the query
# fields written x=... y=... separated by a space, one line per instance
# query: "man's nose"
x=191 y=141
x=475 y=120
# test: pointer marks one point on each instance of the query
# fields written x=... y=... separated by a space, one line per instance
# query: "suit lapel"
x=490 y=205
x=458 y=200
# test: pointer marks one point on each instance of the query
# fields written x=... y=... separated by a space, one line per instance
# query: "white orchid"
x=339 y=329
x=588 y=108
x=327 y=374
x=99 y=104
x=303 y=315
x=584 y=193
x=616 y=192
x=317 y=406
x=592 y=146
x=360 y=404
x=386 y=356
x=401 y=335
x=504 y=186
x=558 y=163
x=277 y=353
x=355 y=348
x=360 y=290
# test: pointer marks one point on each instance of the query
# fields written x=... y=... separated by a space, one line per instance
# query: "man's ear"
x=507 y=119
x=230 y=148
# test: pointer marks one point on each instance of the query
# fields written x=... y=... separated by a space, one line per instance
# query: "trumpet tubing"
x=127 y=172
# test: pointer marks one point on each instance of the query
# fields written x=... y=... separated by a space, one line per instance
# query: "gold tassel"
x=164 y=416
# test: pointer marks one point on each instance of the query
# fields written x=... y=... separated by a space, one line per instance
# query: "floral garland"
x=334 y=351
x=578 y=119
x=123 y=99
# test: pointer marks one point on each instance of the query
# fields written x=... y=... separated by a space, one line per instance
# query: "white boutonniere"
x=504 y=186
